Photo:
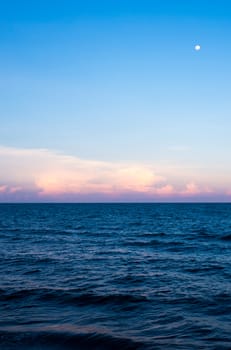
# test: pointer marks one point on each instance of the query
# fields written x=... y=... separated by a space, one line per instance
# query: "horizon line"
x=167 y=202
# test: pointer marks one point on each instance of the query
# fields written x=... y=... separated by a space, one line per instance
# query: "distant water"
x=115 y=276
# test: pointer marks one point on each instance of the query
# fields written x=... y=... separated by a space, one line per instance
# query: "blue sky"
x=117 y=82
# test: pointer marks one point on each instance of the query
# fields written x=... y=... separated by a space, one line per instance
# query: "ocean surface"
x=115 y=276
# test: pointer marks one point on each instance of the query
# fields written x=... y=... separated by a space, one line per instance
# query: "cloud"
x=191 y=189
x=43 y=175
x=3 y=189
x=53 y=174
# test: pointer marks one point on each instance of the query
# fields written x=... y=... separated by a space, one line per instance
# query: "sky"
x=108 y=101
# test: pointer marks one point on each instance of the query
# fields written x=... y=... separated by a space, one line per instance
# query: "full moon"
x=197 y=47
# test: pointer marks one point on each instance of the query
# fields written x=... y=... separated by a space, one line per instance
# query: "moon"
x=197 y=47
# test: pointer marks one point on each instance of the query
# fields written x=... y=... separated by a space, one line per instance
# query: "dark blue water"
x=115 y=276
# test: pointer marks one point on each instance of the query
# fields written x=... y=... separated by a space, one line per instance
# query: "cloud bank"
x=41 y=175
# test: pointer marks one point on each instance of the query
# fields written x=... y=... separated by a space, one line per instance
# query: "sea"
x=115 y=276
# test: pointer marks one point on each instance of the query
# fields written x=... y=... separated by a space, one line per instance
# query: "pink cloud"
x=165 y=190
x=3 y=188
x=191 y=189
x=40 y=175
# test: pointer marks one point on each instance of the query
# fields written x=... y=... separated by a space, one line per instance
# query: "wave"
x=71 y=297
x=45 y=230
x=203 y=269
x=153 y=242
x=65 y=341
x=226 y=237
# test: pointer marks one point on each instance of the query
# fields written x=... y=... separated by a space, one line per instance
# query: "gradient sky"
x=109 y=101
